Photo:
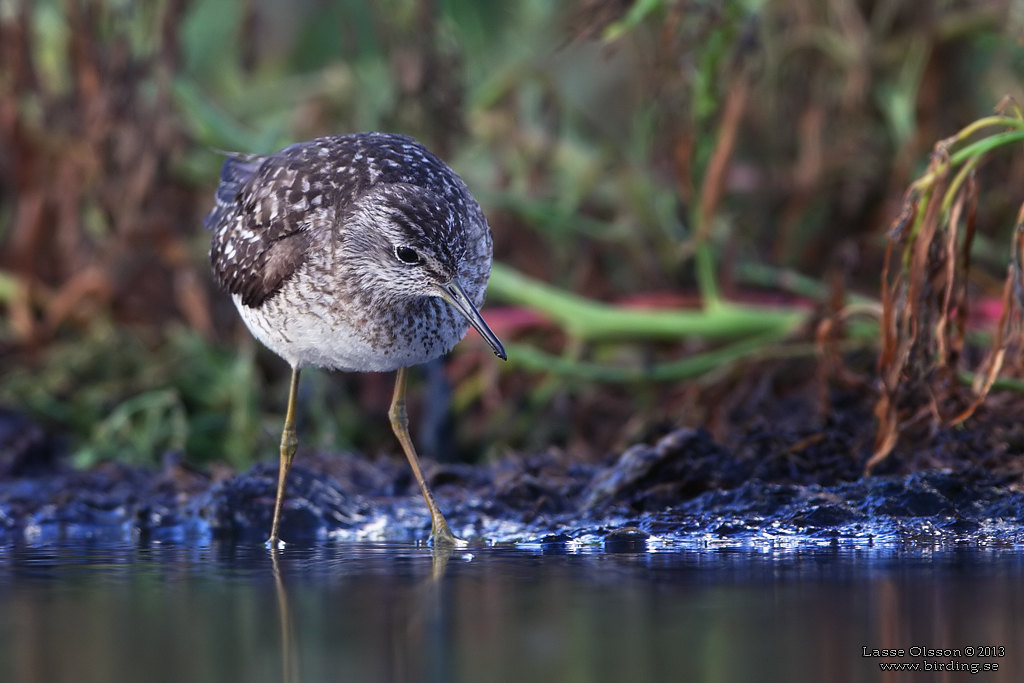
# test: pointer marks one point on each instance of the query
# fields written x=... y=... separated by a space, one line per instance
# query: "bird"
x=361 y=252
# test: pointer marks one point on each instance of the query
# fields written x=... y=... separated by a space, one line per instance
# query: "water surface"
x=392 y=612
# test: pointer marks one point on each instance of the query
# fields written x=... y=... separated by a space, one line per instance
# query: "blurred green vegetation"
x=688 y=152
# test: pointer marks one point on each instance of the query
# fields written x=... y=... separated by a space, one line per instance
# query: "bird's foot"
x=441 y=536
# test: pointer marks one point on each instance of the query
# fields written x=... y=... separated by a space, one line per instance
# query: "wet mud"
x=683 y=490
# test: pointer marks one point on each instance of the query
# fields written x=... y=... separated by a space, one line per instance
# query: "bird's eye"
x=407 y=255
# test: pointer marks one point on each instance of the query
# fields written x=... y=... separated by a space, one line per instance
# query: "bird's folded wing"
x=258 y=223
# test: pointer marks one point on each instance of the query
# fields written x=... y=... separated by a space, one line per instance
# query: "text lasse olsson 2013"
x=921 y=651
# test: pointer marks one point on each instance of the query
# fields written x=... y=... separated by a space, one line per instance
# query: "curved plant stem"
x=971 y=129
x=974 y=149
x=692 y=366
x=586 y=319
x=760 y=347
x=986 y=145
x=958 y=181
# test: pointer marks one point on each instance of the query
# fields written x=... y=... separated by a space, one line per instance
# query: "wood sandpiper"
x=357 y=252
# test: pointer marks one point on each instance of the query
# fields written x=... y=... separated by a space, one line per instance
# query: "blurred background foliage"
x=654 y=154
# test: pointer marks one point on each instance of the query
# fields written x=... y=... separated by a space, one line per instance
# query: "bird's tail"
x=238 y=169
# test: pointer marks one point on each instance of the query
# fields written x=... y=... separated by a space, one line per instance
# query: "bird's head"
x=415 y=244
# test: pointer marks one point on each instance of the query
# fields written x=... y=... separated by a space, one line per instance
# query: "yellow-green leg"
x=289 y=444
x=440 y=532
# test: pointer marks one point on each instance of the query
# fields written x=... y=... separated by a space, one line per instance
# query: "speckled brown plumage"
x=310 y=243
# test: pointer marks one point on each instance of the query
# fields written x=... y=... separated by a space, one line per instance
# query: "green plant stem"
x=788 y=280
x=706 y=280
x=954 y=187
x=922 y=209
x=590 y=320
x=534 y=359
x=1004 y=383
x=986 y=145
x=759 y=347
x=974 y=127
x=978 y=148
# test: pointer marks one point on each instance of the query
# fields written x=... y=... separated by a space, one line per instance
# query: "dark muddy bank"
x=684 y=490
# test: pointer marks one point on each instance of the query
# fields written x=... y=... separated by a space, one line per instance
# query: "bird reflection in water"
x=419 y=645
x=289 y=662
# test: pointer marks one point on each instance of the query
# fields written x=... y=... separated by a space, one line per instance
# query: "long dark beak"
x=453 y=293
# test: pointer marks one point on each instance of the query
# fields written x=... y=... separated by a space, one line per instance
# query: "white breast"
x=317 y=338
